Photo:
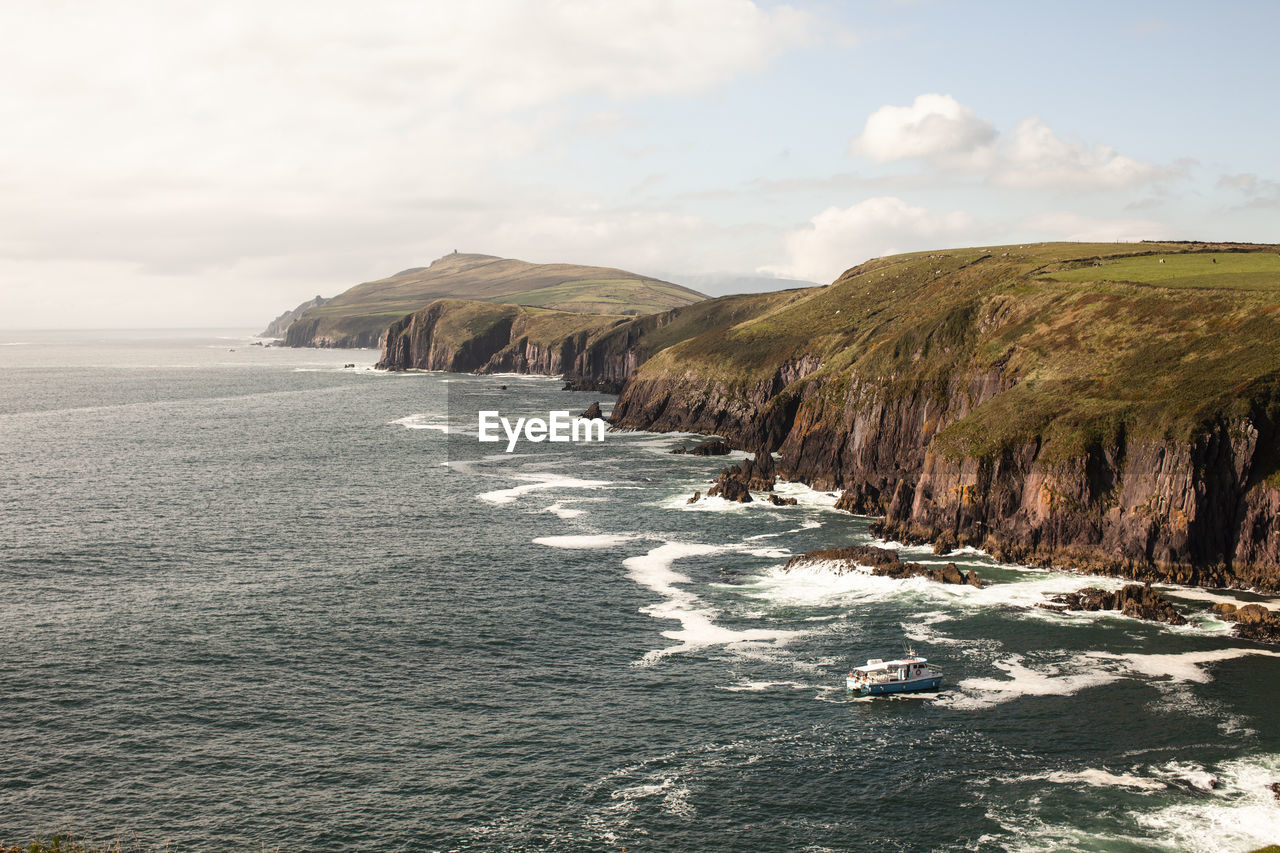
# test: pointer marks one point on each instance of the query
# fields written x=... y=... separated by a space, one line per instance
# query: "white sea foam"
x=1090 y=669
x=583 y=542
x=698 y=628
x=1217 y=596
x=818 y=583
x=807 y=524
x=1233 y=810
x=538 y=483
x=674 y=796
x=1057 y=679
x=420 y=421
x=559 y=510
x=1183 y=666
x=747 y=686
x=1098 y=779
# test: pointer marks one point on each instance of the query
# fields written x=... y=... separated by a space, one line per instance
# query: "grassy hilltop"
x=358 y=316
x=1096 y=333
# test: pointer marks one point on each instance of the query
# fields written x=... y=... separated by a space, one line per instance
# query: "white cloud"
x=1075 y=227
x=837 y=239
x=953 y=138
x=934 y=125
x=1036 y=157
x=164 y=140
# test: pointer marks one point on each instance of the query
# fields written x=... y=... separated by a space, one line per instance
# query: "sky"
x=180 y=164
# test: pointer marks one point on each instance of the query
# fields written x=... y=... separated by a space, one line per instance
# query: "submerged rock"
x=883 y=562
x=697 y=496
x=593 y=411
x=780 y=501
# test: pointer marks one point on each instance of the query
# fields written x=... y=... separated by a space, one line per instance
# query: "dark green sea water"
x=251 y=598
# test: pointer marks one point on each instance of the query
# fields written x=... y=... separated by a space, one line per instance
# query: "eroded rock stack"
x=883 y=562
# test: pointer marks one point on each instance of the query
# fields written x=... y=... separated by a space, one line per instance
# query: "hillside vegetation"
x=360 y=315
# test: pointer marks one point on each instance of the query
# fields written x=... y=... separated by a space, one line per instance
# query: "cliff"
x=359 y=316
x=482 y=337
x=277 y=327
x=1109 y=407
x=612 y=355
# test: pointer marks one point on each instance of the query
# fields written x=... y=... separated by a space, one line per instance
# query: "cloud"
x=1261 y=193
x=837 y=239
x=1036 y=157
x=952 y=138
x=934 y=125
x=1076 y=227
x=164 y=140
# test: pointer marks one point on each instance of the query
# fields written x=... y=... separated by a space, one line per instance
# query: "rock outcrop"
x=882 y=562
x=1137 y=600
x=735 y=483
x=1253 y=621
x=714 y=447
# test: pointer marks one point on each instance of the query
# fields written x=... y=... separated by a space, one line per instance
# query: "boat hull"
x=915 y=685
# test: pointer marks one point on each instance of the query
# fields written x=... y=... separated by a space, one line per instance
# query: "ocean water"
x=252 y=597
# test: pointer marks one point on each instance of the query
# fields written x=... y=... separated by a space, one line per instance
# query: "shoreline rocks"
x=713 y=447
x=882 y=562
x=1252 y=621
x=1139 y=601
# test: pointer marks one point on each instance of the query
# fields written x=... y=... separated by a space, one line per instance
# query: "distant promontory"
x=360 y=316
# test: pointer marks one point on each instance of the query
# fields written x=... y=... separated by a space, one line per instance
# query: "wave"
x=539 y=482
x=698 y=629
x=1087 y=670
x=585 y=541
x=1230 y=809
x=420 y=421
x=1023 y=680
x=748 y=686
x=559 y=510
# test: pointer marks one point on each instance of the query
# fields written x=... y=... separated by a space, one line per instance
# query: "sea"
x=253 y=598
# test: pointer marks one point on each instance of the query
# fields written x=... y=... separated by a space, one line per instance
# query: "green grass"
x=1090 y=356
x=1213 y=270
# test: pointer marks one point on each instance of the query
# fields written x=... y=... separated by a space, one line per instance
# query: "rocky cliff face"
x=1195 y=512
x=309 y=332
x=941 y=422
x=480 y=337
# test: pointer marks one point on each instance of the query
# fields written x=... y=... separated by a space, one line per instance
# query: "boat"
x=911 y=674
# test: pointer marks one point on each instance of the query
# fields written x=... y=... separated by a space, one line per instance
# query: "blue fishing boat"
x=911 y=674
